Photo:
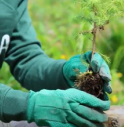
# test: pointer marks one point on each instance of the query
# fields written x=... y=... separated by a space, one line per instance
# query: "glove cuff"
x=30 y=108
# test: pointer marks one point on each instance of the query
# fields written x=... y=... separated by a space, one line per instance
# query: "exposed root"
x=91 y=83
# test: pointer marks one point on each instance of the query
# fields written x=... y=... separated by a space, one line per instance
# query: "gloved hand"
x=97 y=63
x=66 y=108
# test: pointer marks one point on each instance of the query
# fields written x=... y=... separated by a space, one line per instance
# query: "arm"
x=13 y=104
x=28 y=63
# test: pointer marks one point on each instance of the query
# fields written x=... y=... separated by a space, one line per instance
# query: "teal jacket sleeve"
x=13 y=104
x=28 y=63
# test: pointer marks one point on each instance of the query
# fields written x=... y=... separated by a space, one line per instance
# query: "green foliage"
x=94 y=15
x=99 y=11
x=118 y=89
x=118 y=57
x=112 y=41
x=106 y=58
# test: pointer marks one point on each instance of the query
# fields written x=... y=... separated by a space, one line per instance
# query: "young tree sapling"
x=96 y=13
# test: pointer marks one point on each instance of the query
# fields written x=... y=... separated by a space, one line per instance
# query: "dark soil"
x=91 y=83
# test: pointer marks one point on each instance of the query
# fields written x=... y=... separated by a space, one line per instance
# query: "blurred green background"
x=57 y=30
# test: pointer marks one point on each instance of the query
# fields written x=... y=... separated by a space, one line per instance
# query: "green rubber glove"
x=97 y=63
x=66 y=108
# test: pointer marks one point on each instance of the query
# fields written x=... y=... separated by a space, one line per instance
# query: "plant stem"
x=94 y=31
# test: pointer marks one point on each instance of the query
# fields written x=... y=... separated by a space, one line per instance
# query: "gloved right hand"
x=97 y=64
x=66 y=108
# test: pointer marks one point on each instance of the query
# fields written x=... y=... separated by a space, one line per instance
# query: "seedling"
x=96 y=14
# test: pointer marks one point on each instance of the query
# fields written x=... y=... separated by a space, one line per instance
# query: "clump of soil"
x=91 y=83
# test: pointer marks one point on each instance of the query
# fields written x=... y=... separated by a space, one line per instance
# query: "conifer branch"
x=85 y=32
x=98 y=13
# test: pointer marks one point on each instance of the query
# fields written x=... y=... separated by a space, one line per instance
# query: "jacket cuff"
x=63 y=84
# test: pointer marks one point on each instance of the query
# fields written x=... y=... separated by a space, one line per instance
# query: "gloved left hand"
x=97 y=64
x=66 y=108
